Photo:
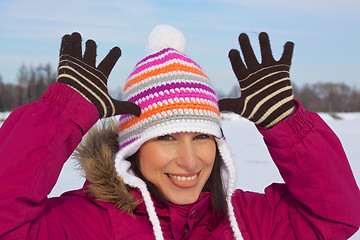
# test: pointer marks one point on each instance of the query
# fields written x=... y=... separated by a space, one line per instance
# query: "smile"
x=182 y=178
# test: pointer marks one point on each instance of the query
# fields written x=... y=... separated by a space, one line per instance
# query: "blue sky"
x=326 y=33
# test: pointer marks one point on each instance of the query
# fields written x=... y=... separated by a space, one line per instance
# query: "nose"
x=187 y=156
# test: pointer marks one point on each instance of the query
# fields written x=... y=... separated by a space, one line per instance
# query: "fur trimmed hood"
x=95 y=156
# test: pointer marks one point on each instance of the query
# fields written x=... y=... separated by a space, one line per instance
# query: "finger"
x=124 y=107
x=237 y=64
x=66 y=45
x=230 y=105
x=287 y=54
x=249 y=56
x=109 y=61
x=90 y=53
x=76 y=45
x=266 y=54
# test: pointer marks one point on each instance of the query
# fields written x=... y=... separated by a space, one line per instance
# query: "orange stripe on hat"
x=168 y=68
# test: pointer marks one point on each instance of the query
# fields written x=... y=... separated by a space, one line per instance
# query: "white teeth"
x=182 y=178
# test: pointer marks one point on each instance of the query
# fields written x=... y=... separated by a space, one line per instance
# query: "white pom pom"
x=165 y=36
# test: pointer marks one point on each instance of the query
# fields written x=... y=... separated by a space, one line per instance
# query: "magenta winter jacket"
x=320 y=199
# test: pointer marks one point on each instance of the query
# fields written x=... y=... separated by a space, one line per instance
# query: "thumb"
x=124 y=107
x=230 y=105
x=108 y=63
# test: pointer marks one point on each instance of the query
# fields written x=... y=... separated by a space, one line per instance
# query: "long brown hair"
x=214 y=184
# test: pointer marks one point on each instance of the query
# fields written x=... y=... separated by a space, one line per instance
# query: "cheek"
x=151 y=160
x=207 y=153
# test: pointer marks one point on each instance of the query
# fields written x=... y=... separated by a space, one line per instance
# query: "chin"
x=184 y=199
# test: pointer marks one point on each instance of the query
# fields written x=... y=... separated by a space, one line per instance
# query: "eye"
x=202 y=136
x=165 y=138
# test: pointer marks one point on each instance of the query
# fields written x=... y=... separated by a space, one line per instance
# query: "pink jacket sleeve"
x=320 y=198
x=36 y=140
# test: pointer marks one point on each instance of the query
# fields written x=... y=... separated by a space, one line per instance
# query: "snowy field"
x=255 y=169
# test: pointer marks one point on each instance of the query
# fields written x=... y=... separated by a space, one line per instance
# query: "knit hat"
x=175 y=95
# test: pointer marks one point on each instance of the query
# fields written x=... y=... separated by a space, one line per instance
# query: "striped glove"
x=266 y=93
x=80 y=73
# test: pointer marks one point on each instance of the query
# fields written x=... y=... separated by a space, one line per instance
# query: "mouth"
x=182 y=177
x=184 y=180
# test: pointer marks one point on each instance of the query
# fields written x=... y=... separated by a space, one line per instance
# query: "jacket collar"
x=177 y=219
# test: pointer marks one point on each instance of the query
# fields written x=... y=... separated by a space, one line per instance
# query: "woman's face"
x=178 y=164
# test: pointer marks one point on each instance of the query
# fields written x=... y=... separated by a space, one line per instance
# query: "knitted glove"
x=266 y=93
x=80 y=73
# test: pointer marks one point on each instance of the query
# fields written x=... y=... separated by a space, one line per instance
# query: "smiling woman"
x=164 y=171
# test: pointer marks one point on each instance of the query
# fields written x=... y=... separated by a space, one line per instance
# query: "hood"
x=95 y=156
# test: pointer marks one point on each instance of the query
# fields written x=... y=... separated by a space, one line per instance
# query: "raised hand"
x=80 y=73
x=266 y=92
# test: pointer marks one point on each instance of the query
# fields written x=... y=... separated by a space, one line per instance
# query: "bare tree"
x=32 y=83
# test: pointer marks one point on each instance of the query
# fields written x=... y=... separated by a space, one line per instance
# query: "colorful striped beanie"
x=175 y=95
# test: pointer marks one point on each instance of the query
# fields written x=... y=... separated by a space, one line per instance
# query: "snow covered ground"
x=255 y=169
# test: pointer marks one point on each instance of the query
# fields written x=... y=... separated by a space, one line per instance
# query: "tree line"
x=318 y=97
x=31 y=84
